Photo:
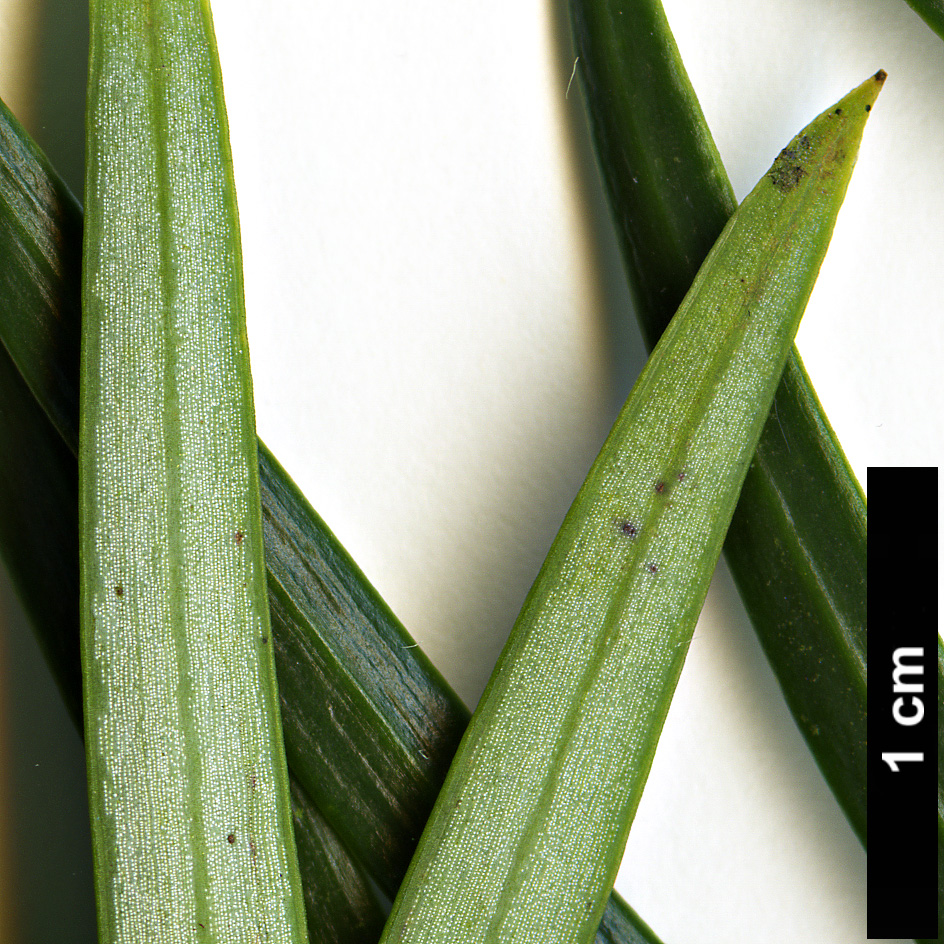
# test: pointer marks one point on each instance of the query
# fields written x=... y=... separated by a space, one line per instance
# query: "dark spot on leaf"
x=660 y=487
x=239 y=537
x=868 y=107
x=838 y=111
x=231 y=838
x=785 y=175
x=681 y=476
x=653 y=568
x=265 y=639
x=119 y=590
x=252 y=849
x=629 y=528
x=787 y=171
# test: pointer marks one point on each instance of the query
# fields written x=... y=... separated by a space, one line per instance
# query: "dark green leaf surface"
x=39 y=526
x=797 y=543
x=932 y=12
x=340 y=904
x=621 y=925
x=387 y=733
x=370 y=726
x=41 y=249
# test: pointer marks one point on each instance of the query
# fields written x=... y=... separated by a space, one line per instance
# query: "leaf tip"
x=867 y=92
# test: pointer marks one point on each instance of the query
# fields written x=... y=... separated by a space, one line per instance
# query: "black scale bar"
x=903 y=703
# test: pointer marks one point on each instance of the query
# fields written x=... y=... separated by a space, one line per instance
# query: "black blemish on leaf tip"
x=880 y=76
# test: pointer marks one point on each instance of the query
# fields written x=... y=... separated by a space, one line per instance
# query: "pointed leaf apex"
x=864 y=96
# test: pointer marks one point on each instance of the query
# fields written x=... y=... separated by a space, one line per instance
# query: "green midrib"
x=172 y=433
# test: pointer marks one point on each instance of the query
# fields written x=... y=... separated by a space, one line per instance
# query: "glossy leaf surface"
x=932 y=12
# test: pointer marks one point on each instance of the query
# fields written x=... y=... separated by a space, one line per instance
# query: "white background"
x=441 y=337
